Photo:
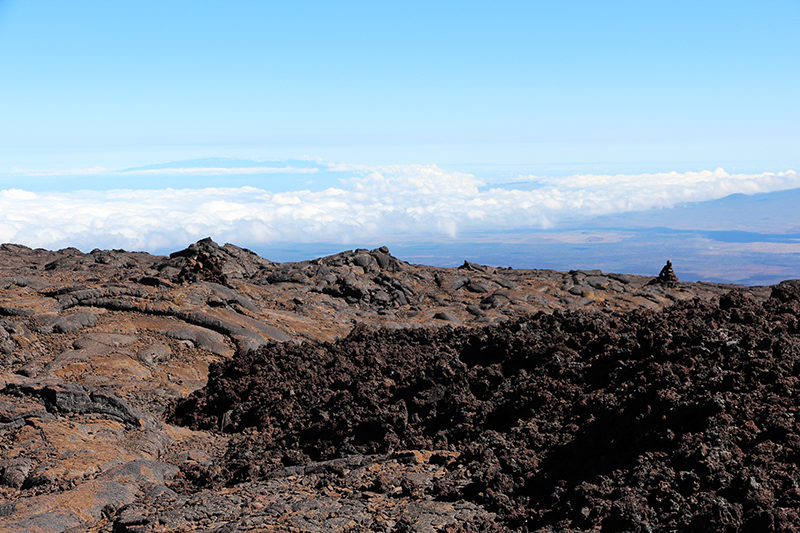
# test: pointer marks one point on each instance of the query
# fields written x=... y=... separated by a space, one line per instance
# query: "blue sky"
x=430 y=97
x=131 y=83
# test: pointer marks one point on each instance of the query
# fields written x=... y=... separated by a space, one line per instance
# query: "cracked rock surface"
x=215 y=390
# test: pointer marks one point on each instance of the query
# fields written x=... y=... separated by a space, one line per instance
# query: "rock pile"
x=680 y=420
x=666 y=277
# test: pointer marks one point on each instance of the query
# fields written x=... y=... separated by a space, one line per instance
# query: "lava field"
x=681 y=419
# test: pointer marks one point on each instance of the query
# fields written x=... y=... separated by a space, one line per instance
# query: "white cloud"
x=374 y=203
x=17 y=194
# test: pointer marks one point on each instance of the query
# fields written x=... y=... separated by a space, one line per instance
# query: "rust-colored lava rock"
x=684 y=419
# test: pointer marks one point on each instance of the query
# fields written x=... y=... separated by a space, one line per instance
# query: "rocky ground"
x=489 y=399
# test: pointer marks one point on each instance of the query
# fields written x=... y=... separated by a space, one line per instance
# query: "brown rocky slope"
x=488 y=399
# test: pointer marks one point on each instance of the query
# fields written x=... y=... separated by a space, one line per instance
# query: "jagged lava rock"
x=684 y=419
x=95 y=346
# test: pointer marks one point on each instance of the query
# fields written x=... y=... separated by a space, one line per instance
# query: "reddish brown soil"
x=684 y=419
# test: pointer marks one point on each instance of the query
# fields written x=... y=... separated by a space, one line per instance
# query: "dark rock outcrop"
x=683 y=419
x=205 y=260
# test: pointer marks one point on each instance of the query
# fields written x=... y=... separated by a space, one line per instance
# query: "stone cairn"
x=666 y=277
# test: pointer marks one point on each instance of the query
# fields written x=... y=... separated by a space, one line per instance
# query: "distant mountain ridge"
x=770 y=213
x=230 y=163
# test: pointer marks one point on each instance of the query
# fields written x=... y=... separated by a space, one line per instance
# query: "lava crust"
x=683 y=419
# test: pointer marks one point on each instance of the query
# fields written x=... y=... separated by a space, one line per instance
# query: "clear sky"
x=131 y=83
x=150 y=124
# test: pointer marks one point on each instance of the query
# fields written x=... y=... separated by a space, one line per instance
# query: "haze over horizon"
x=538 y=135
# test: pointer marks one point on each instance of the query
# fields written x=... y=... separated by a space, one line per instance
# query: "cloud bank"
x=372 y=204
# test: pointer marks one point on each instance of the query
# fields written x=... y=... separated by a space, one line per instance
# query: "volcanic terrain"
x=215 y=390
